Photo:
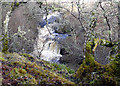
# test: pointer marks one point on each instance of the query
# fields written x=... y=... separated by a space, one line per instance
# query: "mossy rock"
x=92 y=72
x=100 y=74
x=115 y=64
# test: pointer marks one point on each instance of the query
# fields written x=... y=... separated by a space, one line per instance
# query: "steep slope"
x=25 y=69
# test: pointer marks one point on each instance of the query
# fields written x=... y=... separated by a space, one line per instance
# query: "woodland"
x=60 y=43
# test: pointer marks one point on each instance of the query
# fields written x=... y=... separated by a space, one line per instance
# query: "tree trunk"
x=119 y=25
x=0 y=26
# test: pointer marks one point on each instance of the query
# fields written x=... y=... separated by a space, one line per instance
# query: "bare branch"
x=107 y=20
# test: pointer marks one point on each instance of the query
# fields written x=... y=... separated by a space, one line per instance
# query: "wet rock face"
x=72 y=61
x=72 y=53
x=22 y=30
x=102 y=54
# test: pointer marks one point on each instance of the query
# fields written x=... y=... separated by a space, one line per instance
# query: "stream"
x=48 y=47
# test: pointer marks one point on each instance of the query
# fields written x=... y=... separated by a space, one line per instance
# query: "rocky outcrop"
x=23 y=33
x=93 y=72
x=22 y=29
x=102 y=54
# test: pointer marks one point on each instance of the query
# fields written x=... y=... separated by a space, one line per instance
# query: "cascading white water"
x=47 y=47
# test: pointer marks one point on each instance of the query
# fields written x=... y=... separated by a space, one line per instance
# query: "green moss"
x=89 y=59
x=60 y=67
x=29 y=57
x=40 y=72
x=56 y=9
x=107 y=79
x=23 y=71
x=17 y=63
x=99 y=74
x=27 y=72
x=17 y=73
x=2 y=59
x=106 y=43
x=14 y=5
x=92 y=72
x=5 y=44
x=13 y=57
x=115 y=64
x=89 y=46
x=14 y=74
x=17 y=4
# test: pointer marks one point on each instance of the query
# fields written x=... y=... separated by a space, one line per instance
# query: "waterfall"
x=47 y=42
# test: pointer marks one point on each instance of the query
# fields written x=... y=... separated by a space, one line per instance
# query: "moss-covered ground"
x=20 y=69
x=25 y=69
